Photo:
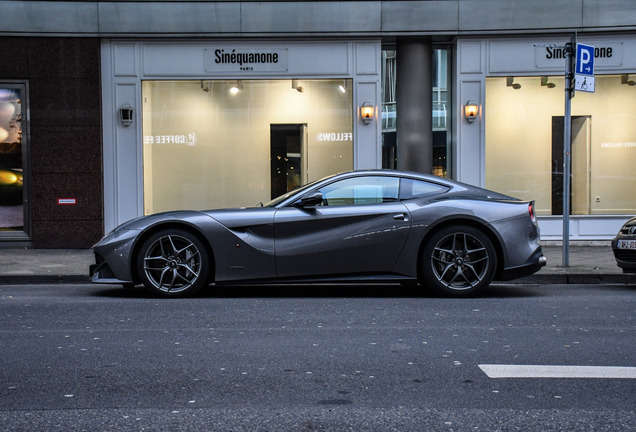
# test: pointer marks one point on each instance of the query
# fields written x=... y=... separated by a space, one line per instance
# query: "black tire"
x=173 y=263
x=459 y=261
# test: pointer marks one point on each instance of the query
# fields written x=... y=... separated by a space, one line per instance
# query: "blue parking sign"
x=584 y=59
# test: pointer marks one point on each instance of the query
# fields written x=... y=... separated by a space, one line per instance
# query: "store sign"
x=334 y=136
x=618 y=145
x=228 y=59
x=605 y=55
x=187 y=139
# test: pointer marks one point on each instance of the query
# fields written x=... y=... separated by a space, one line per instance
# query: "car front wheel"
x=173 y=263
x=458 y=260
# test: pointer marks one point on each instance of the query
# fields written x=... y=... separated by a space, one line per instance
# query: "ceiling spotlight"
x=235 y=89
x=510 y=83
x=297 y=87
x=625 y=80
x=545 y=83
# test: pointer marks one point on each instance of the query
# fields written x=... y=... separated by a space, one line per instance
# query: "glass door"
x=579 y=199
x=288 y=145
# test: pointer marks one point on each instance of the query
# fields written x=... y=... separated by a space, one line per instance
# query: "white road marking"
x=545 y=371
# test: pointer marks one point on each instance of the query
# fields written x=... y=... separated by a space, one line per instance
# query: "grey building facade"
x=114 y=109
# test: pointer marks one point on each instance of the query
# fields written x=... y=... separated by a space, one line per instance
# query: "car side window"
x=411 y=189
x=361 y=190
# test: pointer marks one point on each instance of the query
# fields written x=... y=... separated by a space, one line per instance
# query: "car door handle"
x=400 y=216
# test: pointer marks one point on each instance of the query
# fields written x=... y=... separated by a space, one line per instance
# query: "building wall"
x=232 y=18
x=65 y=135
x=55 y=46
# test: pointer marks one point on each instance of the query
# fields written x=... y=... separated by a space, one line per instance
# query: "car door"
x=359 y=228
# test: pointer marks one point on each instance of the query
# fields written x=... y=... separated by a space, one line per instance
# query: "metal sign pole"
x=567 y=147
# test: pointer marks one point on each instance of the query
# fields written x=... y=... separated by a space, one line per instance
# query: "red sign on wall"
x=66 y=201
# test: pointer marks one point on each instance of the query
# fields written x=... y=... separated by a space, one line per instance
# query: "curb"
x=44 y=279
x=578 y=279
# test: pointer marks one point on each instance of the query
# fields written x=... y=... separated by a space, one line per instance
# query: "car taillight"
x=533 y=217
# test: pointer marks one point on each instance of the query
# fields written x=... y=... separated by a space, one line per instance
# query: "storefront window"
x=524 y=143
x=441 y=112
x=12 y=149
x=441 y=142
x=230 y=143
x=389 y=127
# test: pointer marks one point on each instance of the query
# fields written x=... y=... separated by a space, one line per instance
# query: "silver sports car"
x=387 y=226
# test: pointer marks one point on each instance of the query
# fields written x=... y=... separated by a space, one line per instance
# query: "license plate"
x=627 y=244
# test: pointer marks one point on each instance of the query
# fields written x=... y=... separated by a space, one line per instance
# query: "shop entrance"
x=288 y=144
x=580 y=165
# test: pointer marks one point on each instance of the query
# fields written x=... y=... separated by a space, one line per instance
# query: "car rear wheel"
x=173 y=263
x=458 y=260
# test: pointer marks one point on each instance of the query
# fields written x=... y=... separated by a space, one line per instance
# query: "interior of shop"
x=233 y=143
x=524 y=119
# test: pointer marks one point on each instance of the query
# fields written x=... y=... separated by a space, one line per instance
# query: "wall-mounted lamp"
x=471 y=111
x=546 y=83
x=625 y=80
x=510 y=83
x=366 y=112
x=126 y=114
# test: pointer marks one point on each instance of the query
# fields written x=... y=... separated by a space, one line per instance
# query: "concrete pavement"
x=588 y=264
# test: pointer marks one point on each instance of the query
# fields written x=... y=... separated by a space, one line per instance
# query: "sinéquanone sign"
x=243 y=59
x=604 y=54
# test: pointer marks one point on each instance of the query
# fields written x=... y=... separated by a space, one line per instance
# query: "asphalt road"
x=326 y=358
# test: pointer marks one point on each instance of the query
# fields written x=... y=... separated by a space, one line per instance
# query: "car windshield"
x=276 y=201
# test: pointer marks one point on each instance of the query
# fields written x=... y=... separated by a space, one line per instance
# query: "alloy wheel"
x=172 y=263
x=460 y=261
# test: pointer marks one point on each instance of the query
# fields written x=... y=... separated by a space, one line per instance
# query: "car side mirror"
x=311 y=199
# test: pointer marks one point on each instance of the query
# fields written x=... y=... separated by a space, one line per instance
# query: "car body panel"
x=243 y=243
x=509 y=221
x=355 y=239
x=291 y=241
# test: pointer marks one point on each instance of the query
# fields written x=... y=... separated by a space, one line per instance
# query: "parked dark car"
x=375 y=225
x=624 y=246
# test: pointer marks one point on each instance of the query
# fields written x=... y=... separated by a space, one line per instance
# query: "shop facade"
x=518 y=85
x=221 y=104
x=50 y=142
x=232 y=123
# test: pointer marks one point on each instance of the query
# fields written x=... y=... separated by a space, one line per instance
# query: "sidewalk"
x=588 y=264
